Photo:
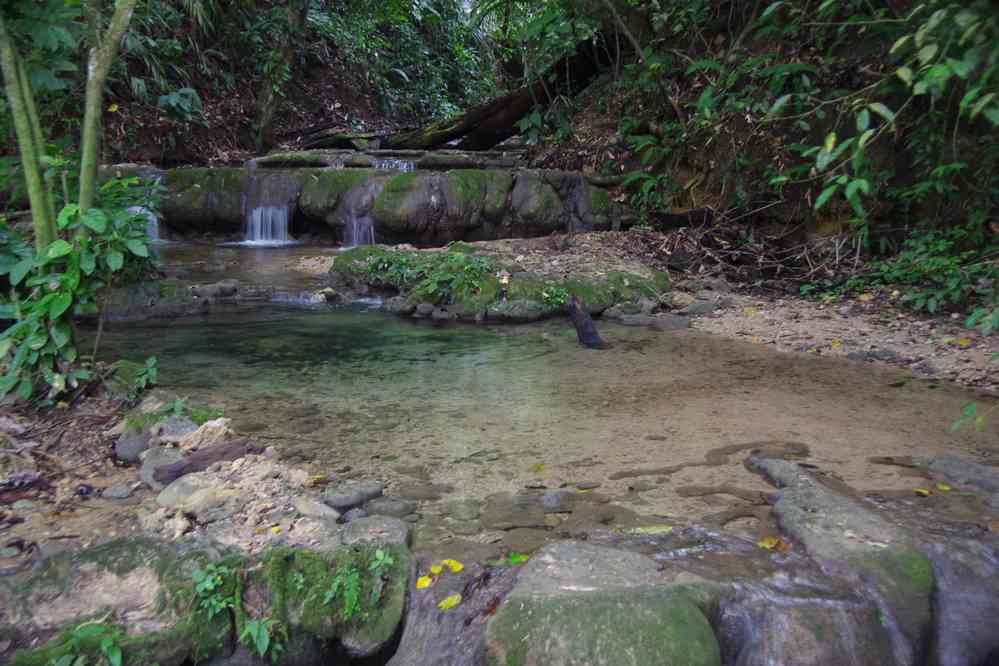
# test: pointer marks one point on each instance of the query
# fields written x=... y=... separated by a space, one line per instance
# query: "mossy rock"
x=403 y=202
x=322 y=191
x=140 y=589
x=311 y=594
x=204 y=199
x=577 y=604
x=535 y=204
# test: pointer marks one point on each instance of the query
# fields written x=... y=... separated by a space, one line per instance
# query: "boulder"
x=576 y=603
x=155 y=458
x=345 y=496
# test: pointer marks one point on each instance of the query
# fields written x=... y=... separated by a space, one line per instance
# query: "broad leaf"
x=59 y=305
x=58 y=248
x=137 y=247
x=115 y=260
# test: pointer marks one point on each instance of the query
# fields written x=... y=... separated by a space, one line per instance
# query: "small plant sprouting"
x=209 y=585
x=298 y=580
x=259 y=634
x=345 y=586
x=110 y=651
x=554 y=296
x=382 y=560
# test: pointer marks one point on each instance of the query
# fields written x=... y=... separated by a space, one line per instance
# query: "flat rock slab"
x=390 y=506
x=346 y=496
x=578 y=604
x=380 y=530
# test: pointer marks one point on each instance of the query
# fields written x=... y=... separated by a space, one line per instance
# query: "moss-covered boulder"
x=183 y=603
x=139 y=592
x=579 y=604
x=204 y=200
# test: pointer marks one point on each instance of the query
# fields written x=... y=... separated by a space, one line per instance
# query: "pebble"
x=118 y=491
x=23 y=505
x=7 y=553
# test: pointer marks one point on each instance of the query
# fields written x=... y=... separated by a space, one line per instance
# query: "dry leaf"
x=424 y=582
x=943 y=487
x=537 y=468
x=865 y=298
x=923 y=492
x=454 y=565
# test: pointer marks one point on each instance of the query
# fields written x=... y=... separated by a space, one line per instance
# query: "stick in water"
x=585 y=328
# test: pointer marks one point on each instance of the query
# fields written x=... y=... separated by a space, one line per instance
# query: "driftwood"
x=586 y=330
x=484 y=126
x=202 y=459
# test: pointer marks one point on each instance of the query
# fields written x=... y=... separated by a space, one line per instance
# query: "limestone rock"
x=154 y=458
x=345 y=496
x=379 y=530
x=208 y=434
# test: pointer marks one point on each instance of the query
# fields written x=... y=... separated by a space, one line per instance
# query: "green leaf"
x=980 y=104
x=96 y=219
x=905 y=74
x=899 y=43
x=825 y=196
x=59 y=305
x=883 y=111
x=927 y=53
x=88 y=262
x=830 y=142
x=863 y=120
x=67 y=214
x=5 y=346
x=61 y=334
x=779 y=104
x=19 y=270
x=993 y=115
x=58 y=248
x=115 y=260
x=137 y=247
x=25 y=389
x=770 y=10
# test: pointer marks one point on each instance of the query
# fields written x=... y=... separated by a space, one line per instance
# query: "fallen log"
x=202 y=459
x=484 y=126
x=586 y=330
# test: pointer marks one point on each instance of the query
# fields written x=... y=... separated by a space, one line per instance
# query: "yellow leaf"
x=424 y=582
x=774 y=543
x=538 y=468
x=276 y=529
x=924 y=492
x=454 y=565
x=260 y=530
x=963 y=342
x=865 y=297
x=436 y=569
x=756 y=340
x=835 y=344
x=749 y=312
x=450 y=602
x=943 y=487
x=653 y=529
x=113 y=108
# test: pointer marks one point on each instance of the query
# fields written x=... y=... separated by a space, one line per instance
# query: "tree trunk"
x=485 y=126
x=103 y=49
x=269 y=95
x=21 y=105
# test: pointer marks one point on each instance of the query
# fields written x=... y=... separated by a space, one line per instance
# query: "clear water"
x=490 y=409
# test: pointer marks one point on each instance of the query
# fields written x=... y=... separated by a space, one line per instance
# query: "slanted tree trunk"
x=276 y=74
x=485 y=126
x=29 y=140
x=103 y=48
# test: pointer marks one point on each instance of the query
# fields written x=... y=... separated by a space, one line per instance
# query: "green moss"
x=600 y=201
x=468 y=188
x=322 y=190
x=390 y=203
x=462 y=247
x=910 y=569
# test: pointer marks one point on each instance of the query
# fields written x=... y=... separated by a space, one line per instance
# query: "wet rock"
x=759 y=626
x=575 y=603
x=153 y=459
x=621 y=310
x=963 y=472
x=518 y=311
x=346 y=496
x=443 y=315
x=698 y=308
x=524 y=540
x=465 y=527
x=670 y=322
x=23 y=505
x=463 y=509
x=172 y=429
x=216 y=290
x=421 y=492
x=208 y=434
x=131 y=444
x=310 y=508
x=588 y=485
x=389 y=506
x=859 y=546
x=118 y=491
x=636 y=320
x=557 y=501
x=354 y=514
x=378 y=530
x=424 y=310
x=504 y=511
x=680 y=300
x=399 y=305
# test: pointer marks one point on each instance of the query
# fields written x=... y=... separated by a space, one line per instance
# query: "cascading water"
x=268 y=205
x=359 y=231
x=394 y=165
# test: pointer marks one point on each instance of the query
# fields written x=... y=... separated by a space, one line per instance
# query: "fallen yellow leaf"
x=450 y=602
x=538 y=468
x=653 y=529
x=963 y=342
x=454 y=565
x=424 y=582
x=924 y=492
x=865 y=297
x=113 y=108
x=768 y=542
x=756 y=340
x=749 y=312
x=436 y=569
x=276 y=529
x=943 y=487
x=835 y=344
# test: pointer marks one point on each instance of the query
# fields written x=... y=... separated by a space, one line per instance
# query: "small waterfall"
x=152 y=222
x=268 y=205
x=394 y=165
x=359 y=231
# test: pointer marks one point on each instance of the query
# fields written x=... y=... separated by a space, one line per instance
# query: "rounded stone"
x=343 y=497
x=390 y=506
